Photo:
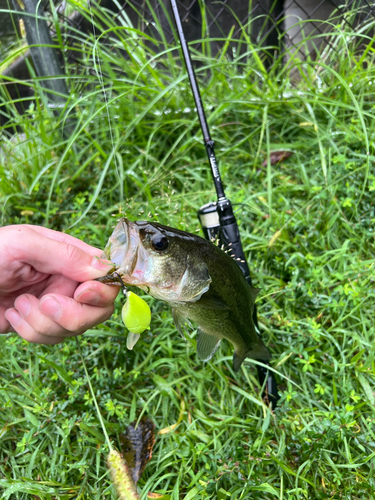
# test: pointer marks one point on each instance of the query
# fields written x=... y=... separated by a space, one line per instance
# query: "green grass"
x=307 y=229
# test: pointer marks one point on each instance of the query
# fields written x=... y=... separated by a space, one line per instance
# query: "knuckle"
x=82 y=326
x=30 y=336
x=72 y=253
x=49 y=330
x=79 y=324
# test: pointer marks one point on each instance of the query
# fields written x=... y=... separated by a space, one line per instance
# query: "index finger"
x=65 y=238
x=52 y=255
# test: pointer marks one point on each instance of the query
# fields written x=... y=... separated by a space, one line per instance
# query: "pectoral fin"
x=180 y=321
x=259 y=351
x=206 y=345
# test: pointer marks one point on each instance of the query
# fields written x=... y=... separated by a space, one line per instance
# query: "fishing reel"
x=219 y=225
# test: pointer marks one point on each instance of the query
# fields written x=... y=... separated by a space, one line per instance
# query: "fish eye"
x=160 y=242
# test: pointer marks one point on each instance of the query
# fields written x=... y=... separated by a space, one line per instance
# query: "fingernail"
x=51 y=307
x=102 y=265
x=23 y=305
x=13 y=317
x=89 y=296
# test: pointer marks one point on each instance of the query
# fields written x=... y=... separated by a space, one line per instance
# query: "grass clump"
x=307 y=229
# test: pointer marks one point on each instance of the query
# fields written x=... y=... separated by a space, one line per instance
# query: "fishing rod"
x=217 y=218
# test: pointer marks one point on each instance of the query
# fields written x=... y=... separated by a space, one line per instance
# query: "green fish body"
x=197 y=279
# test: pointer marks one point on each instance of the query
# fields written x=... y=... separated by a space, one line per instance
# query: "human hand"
x=41 y=297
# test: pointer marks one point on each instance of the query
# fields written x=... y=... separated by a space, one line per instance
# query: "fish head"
x=158 y=259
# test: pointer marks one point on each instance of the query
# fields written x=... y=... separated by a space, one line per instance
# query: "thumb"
x=51 y=256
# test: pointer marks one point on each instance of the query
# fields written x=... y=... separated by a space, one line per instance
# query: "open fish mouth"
x=125 y=251
x=119 y=243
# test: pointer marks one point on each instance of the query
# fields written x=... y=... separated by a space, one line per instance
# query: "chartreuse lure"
x=135 y=313
x=136 y=316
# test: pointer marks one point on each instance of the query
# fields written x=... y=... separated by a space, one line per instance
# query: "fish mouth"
x=119 y=243
x=127 y=252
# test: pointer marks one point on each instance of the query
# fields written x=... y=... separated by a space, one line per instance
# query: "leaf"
x=367 y=389
x=274 y=238
x=222 y=494
x=172 y=427
x=137 y=445
x=192 y=493
x=266 y=422
x=92 y=430
x=31 y=418
x=357 y=356
x=200 y=435
x=248 y=396
x=265 y=487
x=29 y=487
x=291 y=471
x=168 y=429
x=277 y=157
x=63 y=374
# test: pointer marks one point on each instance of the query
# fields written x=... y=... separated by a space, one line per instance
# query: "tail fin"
x=259 y=351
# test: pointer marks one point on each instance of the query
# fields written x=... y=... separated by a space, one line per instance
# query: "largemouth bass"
x=197 y=279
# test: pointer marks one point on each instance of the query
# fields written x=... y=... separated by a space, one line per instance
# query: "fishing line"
x=99 y=74
x=123 y=287
x=94 y=397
